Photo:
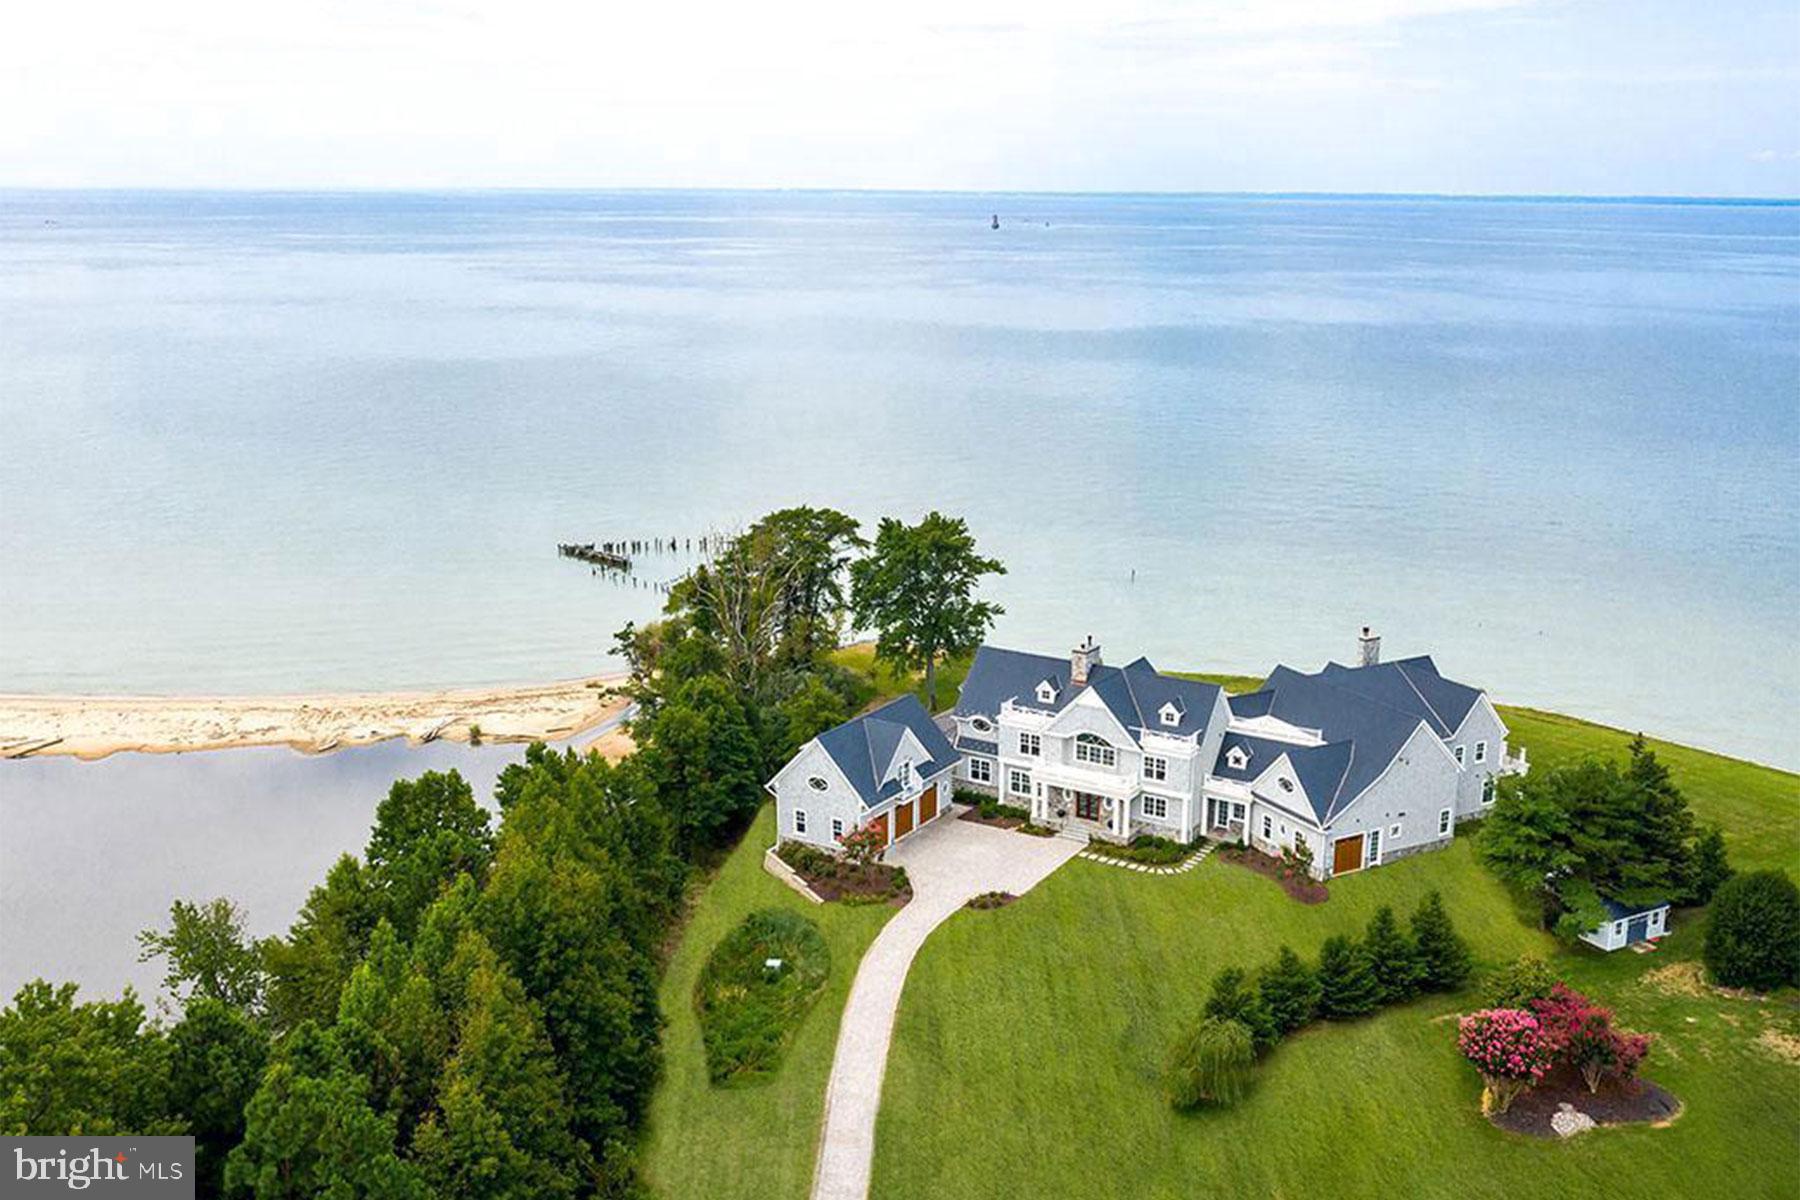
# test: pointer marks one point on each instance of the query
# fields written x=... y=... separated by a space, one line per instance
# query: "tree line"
x=469 y=1008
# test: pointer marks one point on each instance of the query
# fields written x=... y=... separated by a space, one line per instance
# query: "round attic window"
x=817 y=783
x=981 y=724
x=1287 y=785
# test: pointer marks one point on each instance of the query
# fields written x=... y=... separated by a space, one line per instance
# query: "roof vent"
x=1368 y=648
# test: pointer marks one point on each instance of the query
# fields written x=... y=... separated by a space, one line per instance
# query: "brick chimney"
x=1368 y=648
x=1083 y=659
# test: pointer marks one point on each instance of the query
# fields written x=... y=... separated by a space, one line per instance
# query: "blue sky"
x=1515 y=96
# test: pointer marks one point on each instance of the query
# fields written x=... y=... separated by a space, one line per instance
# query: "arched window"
x=1091 y=748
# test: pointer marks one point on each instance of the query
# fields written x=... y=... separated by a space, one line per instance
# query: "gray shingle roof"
x=977 y=746
x=1320 y=769
x=1412 y=685
x=1620 y=912
x=1134 y=693
x=1362 y=733
x=863 y=747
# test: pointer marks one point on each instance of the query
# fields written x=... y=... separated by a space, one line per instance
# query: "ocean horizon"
x=281 y=441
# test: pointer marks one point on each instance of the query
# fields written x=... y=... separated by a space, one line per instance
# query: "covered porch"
x=1097 y=815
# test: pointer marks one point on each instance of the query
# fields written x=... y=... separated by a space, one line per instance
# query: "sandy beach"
x=92 y=727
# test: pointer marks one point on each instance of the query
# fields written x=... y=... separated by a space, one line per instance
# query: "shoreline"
x=93 y=727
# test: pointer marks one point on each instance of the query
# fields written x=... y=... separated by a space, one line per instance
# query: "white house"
x=1628 y=924
x=1358 y=765
x=890 y=769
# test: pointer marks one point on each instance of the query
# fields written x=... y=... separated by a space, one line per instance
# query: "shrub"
x=1753 y=932
x=863 y=845
x=1290 y=991
x=1521 y=981
x=748 y=1011
x=1146 y=848
x=1233 y=999
x=1392 y=956
x=1211 y=1065
x=1297 y=861
x=1444 y=961
x=1509 y=1049
x=1711 y=868
x=809 y=861
x=1347 y=983
x=971 y=797
x=1581 y=1034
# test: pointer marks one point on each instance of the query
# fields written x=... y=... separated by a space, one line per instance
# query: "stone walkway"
x=948 y=862
x=1181 y=868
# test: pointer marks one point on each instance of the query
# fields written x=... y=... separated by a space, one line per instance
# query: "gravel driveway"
x=947 y=862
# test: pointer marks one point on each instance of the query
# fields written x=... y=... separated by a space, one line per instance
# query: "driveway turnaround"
x=947 y=862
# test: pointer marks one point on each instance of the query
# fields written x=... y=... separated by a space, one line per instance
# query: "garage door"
x=1347 y=855
x=928 y=804
x=881 y=824
x=903 y=820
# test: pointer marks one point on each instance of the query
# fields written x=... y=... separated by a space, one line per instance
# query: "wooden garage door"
x=881 y=824
x=928 y=804
x=903 y=820
x=1347 y=855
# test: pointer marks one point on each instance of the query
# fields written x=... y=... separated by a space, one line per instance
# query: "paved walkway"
x=1181 y=868
x=947 y=862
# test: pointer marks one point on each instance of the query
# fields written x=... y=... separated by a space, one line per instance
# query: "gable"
x=1088 y=713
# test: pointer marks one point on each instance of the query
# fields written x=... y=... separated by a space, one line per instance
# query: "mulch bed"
x=974 y=814
x=1616 y=1103
x=851 y=884
x=991 y=900
x=1303 y=888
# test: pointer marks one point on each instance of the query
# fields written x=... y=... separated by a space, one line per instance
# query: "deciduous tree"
x=1753 y=932
x=209 y=954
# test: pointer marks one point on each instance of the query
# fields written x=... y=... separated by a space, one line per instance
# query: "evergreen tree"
x=1235 y=999
x=1711 y=868
x=1290 y=990
x=216 y=1059
x=704 y=760
x=916 y=588
x=308 y=968
x=427 y=831
x=1347 y=983
x=1753 y=932
x=1444 y=959
x=394 y=1031
x=1393 y=957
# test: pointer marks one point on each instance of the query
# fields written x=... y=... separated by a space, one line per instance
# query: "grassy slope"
x=757 y=1140
x=1042 y=1026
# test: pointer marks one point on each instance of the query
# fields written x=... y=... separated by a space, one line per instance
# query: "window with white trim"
x=1096 y=750
x=981 y=770
x=1287 y=785
x=1393 y=832
x=1156 y=768
x=1030 y=745
x=1018 y=783
x=1459 y=756
x=1237 y=757
x=1480 y=752
x=837 y=828
x=1268 y=828
x=1374 y=848
x=1156 y=806
x=1046 y=693
x=799 y=820
x=1443 y=821
x=1237 y=810
x=1299 y=839
x=1170 y=715
x=1487 y=790
x=981 y=725
x=904 y=775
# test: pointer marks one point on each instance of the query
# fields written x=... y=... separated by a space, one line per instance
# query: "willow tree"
x=916 y=589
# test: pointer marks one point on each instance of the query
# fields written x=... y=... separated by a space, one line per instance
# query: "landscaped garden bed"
x=755 y=989
x=986 y=810
x=1148 y=849
x=990 y=900
x=834 y=878
x=1548 y=1105
x=1296 y=883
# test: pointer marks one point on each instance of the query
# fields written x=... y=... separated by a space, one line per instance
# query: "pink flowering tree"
x=863 y=845
x=1508 y=1047
x=1581 y=1033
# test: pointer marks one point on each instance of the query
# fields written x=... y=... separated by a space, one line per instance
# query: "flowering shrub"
x=1581 y=1034
x=863 y=844
x=1508 y=1046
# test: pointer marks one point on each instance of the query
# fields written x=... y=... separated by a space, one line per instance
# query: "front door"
x=1638 y=930
x=903 y=820
x=928 y=804
x=1347 y=855
x=1087 y=806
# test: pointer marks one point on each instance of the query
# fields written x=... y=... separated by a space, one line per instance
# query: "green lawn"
x=885 y=683
x=1027 y=1056
x=750 y=1140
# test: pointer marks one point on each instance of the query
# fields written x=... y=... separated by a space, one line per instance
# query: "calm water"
x=93 y=852
x=260 y=442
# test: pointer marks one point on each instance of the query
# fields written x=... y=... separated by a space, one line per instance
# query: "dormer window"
x=1170 y=714
x=904 y=775
x=1046 y=692
x=1237 y=758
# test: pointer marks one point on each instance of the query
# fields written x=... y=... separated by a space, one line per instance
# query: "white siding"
x=1420 y=782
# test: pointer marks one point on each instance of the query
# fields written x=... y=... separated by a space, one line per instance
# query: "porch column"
x=1122 y=809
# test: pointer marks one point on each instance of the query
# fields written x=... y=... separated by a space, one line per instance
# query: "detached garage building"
x=1629 y=923
x=889 y=770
